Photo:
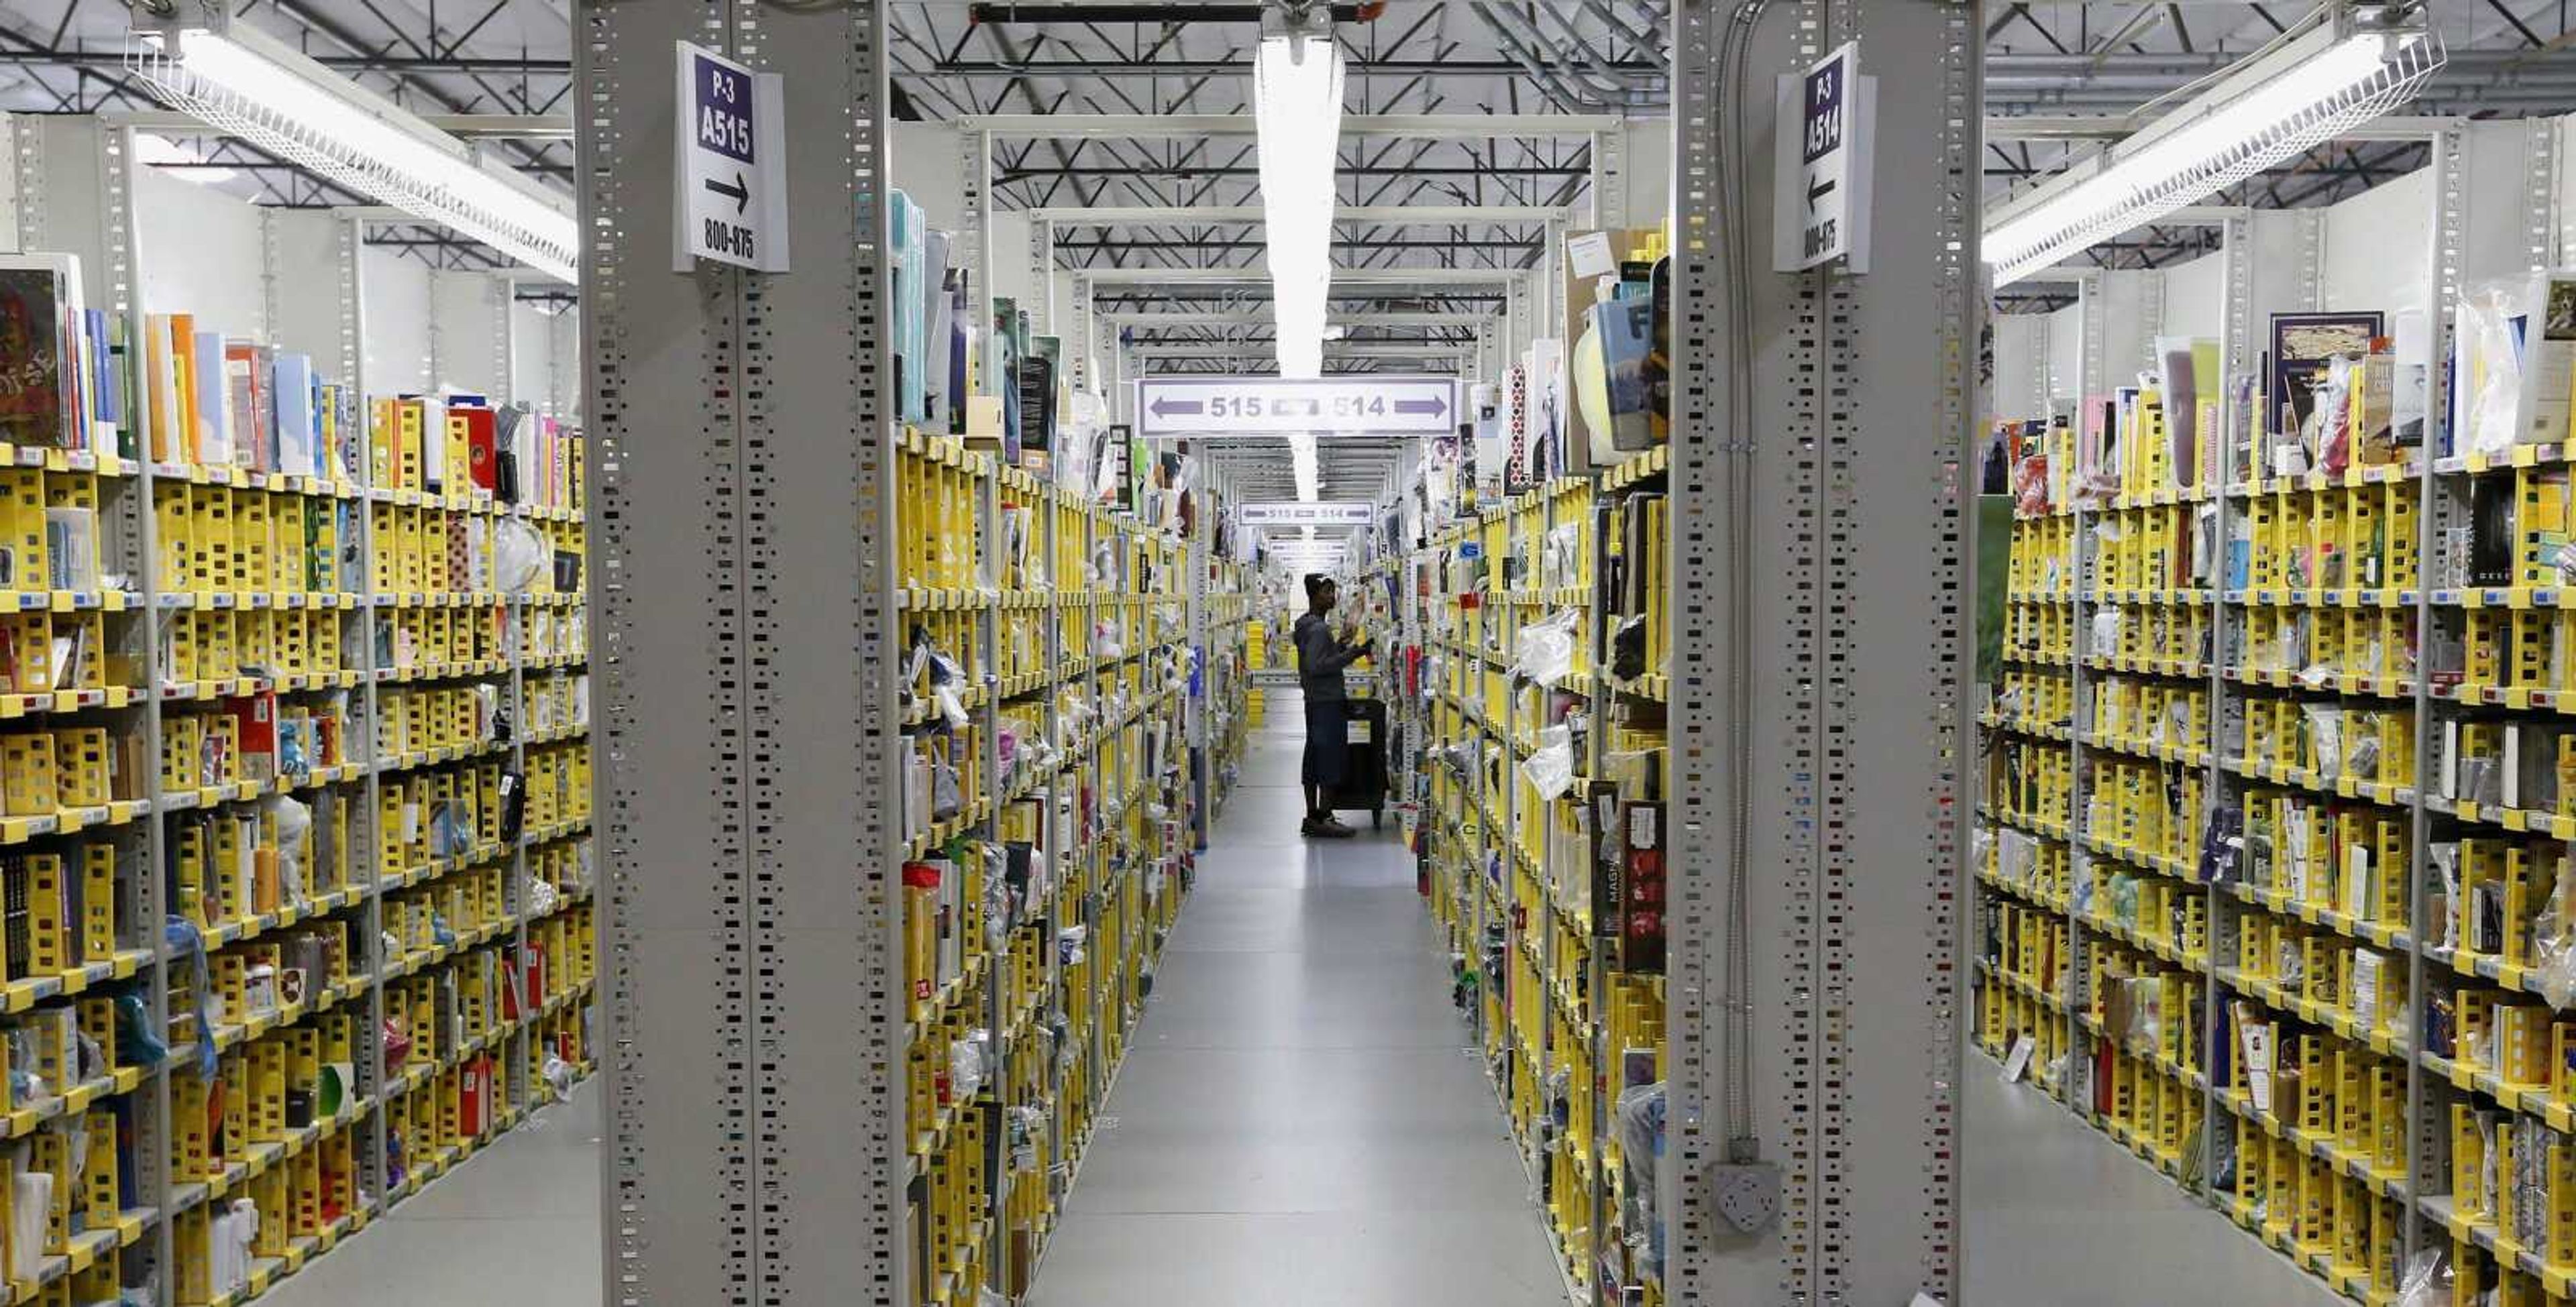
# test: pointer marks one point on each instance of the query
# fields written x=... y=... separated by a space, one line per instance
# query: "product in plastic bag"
x=292 y=821
x=1547 y=648
x=2427 y=1280
x=2553 y=948
x=2325 y=738
x=2490 y=353
x=1551 y=767
x=519 y=555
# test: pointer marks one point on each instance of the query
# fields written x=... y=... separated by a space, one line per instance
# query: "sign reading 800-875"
x=731 y=202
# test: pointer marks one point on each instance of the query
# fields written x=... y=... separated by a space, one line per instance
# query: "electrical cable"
x=1734 y=180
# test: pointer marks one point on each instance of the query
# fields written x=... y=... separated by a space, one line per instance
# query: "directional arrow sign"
x=1305 y=513
x=1169 y=407
x=1827 y=162
x=740 y=193
x=731 y=202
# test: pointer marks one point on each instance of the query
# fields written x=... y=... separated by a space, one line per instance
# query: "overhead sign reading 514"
x=732 y=200
x=1268 y=406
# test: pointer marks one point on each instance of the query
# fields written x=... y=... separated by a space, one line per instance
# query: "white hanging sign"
x=731 y=205
x=1299 y=513
x=1366 y=405
x=1820 y=177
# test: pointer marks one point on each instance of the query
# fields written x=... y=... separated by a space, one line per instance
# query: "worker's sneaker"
x=1325 y=828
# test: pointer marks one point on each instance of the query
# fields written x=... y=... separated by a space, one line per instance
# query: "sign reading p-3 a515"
x=731 y=205
x=1268 y=406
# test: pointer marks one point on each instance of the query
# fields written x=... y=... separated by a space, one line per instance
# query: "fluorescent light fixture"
x=161 y=150
x=1297 y=99
x=1297 y=104
x=2307 y=90
x=1301 y=460
x=246 y=84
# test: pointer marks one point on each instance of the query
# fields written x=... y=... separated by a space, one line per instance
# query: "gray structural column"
x=741 y=514
x=1820 y=562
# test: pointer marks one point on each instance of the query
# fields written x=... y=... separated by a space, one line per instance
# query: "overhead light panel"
x=242 y=82
x=1297 y=104
x=2356 y=64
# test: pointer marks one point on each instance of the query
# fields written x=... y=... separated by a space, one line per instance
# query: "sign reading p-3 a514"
x=1268 y=406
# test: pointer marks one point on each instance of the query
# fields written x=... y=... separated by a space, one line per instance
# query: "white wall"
x=2065 y=354
x=2018 y=339
x=2376 y=247
x=545 y=352
x=201 y=254
x=397 y=322
x=1648 y=197
x=308 y=289
x=2195 y=298
x=467 y=355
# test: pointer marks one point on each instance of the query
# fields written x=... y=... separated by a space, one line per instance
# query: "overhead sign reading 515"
x=732 y=200
x=1268 y=406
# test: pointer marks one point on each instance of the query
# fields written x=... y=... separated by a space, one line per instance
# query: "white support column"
x=741 y=466
x=1819 y=718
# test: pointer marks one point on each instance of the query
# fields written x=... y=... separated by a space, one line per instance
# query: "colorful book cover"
x=31 y=380
x=2301 y=345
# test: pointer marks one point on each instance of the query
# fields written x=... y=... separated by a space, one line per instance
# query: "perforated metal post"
x=1852 y=463
x=975 y=210
x=742 y=479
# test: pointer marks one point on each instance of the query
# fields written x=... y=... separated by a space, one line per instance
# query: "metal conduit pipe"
x=1646 y=33
x=1569 y=61
x=1532 y=50
x=1574 y=42
x=1563 y=94
x=1039 y=15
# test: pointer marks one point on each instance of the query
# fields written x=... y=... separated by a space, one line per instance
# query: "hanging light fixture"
x=1297 y=101
x=2350 y=65
x=1297 y=105
x=245 y=83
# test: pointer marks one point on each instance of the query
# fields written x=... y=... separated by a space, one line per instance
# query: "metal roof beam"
x=1462 y=126
x=1391 y=214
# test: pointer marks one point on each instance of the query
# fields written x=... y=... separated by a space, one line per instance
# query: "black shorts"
x=1328 y=734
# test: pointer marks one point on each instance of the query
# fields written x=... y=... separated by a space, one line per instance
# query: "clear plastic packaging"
x=1547 y=648
x=2491 y=346
x=1550 y=768
x=2325 y=738
x=2553 y=949
x=519 y=554
x=2427 y=1280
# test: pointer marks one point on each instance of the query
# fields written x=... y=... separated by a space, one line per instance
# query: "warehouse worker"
x=1321 y=656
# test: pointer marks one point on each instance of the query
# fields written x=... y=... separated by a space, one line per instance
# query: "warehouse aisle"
x=523 y=1212
x=2058 y=1214
x=1299 y=1121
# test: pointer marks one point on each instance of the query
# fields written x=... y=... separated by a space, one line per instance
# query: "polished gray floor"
x=1300 y=1123
x=2057 y=1215
x=1300 y=1120
x=524 y=1213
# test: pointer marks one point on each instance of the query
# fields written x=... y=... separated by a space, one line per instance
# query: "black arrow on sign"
x=1434 y=407
x=740 y=193
x=1817 y=192
x=1164 y=408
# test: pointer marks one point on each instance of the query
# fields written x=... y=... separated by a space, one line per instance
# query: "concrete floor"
x=2058 y=1215
x=1299 y=1122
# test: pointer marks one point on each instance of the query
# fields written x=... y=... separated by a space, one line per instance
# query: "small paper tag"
x=1924 y=1300
x=1588 y=255
x=2258 y=1066
x=2017 y=1061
